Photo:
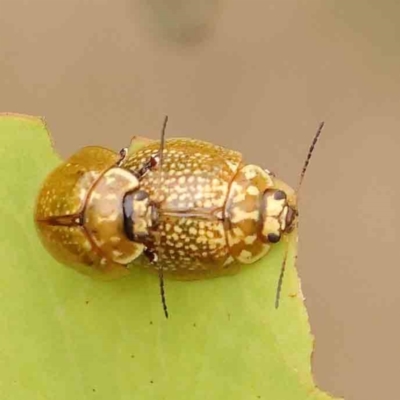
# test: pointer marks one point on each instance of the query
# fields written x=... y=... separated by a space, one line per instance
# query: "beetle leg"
x=147 y=166
x=123 y=153
x=151 y=255
x=156 y=160
x=269 y=172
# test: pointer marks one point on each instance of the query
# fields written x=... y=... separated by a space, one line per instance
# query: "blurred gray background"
x=257 y=76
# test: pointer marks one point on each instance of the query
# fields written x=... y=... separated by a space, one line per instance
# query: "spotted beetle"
x=184 y=208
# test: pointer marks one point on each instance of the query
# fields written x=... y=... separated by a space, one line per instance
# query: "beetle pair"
x=185 y=208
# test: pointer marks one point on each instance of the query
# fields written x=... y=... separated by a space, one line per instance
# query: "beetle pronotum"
x=185 y=208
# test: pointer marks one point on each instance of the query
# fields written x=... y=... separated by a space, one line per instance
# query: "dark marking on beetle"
x=128 y=211
x=122 y=153
x=140 y=195
x=202 y=214
x=155 y=217
x=273 y=238
x=290 y=216
x=153 y=162
x=151 y=255
x=150 y=164
x=63 y=220
x=280 y=195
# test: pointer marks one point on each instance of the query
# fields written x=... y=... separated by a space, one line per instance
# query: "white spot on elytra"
x=229 y=260
x=249 y=173
x=246 y=255
x=253 y=191
x=239 y=215
x=250 y=239
x=231 y=165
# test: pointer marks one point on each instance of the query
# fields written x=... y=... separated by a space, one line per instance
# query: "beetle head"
x=140 y=215
x=278 y=215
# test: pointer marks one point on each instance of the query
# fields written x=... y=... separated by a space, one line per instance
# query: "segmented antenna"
x=162 y=289
x=160 y=267
x=303 y=172
x=280 y=280
x=162 y=144
x=310 y=151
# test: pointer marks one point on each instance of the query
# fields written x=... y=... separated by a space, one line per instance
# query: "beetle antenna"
x=160 y=266
x=310 y=152
x=162 y=290
x=281 y=275
x=162 y=145
x=303 y=172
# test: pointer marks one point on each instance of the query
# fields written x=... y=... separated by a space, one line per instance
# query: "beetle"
x=185 y=208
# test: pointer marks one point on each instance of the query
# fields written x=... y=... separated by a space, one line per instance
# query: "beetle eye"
x=273 y=238
x=280 y=195
x=128 y=212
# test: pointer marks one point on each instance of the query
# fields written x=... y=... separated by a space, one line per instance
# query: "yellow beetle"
x=184 y=208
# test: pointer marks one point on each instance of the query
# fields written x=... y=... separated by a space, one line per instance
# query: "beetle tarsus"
x=123 y=154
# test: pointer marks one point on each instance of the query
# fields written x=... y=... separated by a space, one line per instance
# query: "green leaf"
x=67 y=336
